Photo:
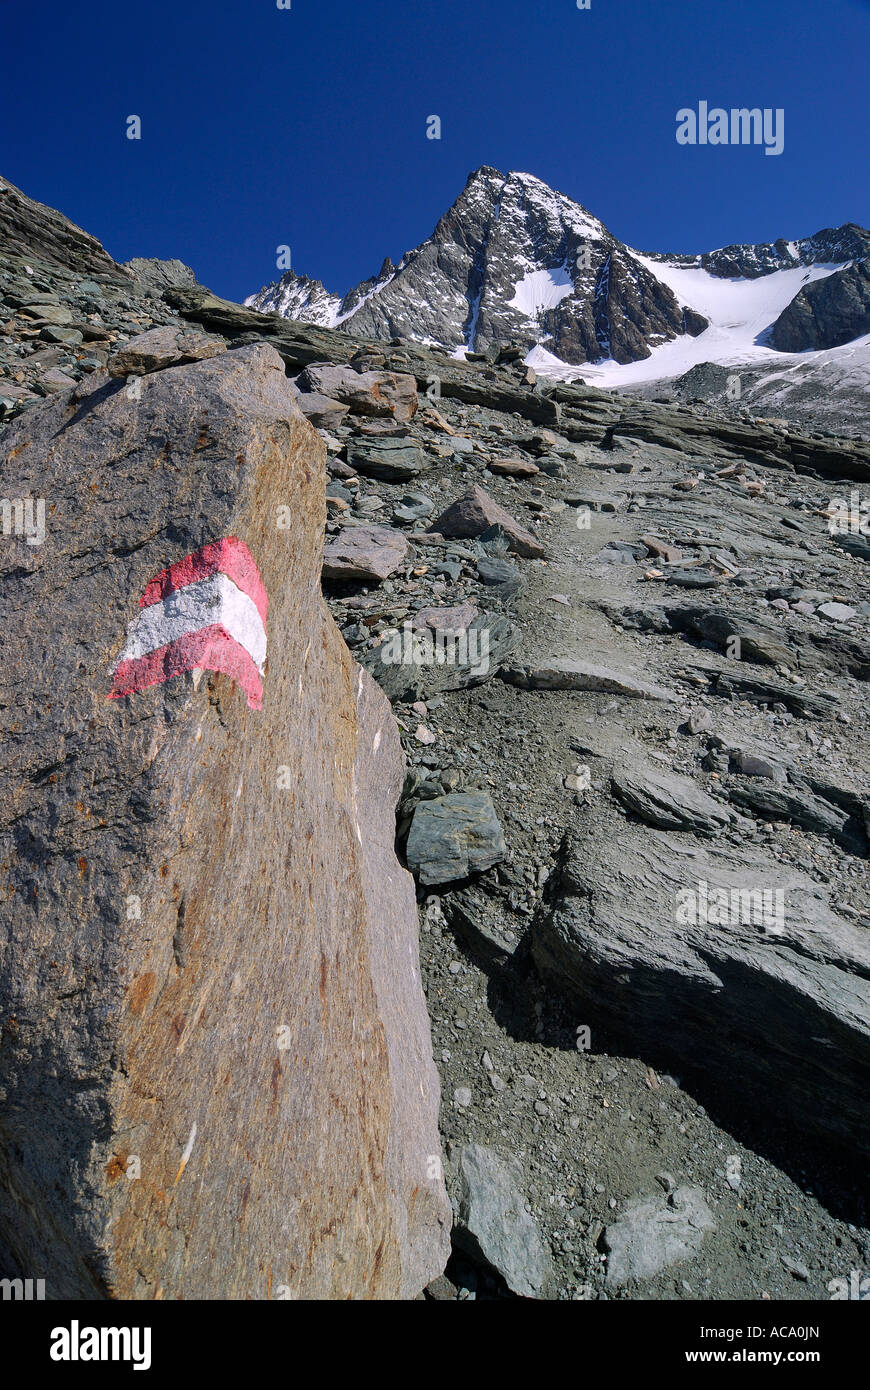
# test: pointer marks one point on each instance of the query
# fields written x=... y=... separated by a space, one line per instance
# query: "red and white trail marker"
x=207 y=611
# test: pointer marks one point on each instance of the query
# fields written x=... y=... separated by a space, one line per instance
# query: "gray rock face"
x=651 y=1235
x=392 y=460
x=170 y=346
x=157 y=275
x=495 y=1224
x=826 y=313
x=28 y=227
x=801 y=805
x=454 y=836
x=492 y=570
x=476 y=512
x=392 y=394
x=719 y=957
x=363 y=552
x=216 y=1068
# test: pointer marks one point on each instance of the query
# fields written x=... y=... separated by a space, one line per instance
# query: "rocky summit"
x=514 y=262
x=436 y=796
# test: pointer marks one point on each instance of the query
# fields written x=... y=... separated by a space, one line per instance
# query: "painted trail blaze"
x=207 y=611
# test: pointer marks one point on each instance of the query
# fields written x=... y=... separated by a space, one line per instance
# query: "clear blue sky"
x=308 y=127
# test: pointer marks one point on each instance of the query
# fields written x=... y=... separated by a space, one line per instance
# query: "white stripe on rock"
x=213 y=600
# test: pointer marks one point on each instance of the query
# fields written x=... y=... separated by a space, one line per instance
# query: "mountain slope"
x=514 y=261
x=511 y=261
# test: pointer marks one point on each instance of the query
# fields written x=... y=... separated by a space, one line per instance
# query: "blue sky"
x=307 y=127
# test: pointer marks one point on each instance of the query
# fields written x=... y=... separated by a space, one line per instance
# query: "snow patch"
x=740 y=313
x=541 y=289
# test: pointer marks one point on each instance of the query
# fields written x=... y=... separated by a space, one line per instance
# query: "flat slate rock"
x=513 y=468
x=693 y=579
x=652 y=1234
x=799 y=804
x=393 y=460
x=454 y=836
x=495 y=1224
x=837 y=612
x=719 y=960
x=563 y=673
x=620 y=553
x=669 y=800
x=493 y=570
x=811 y=704
x=364 y=552
x=457 y=619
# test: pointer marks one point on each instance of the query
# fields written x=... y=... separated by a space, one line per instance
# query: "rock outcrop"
x=718 y=960
x=827 y=313
x=28 y=227
x=216 y=1068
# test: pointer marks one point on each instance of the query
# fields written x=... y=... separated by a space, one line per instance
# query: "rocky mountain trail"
x=626 y=657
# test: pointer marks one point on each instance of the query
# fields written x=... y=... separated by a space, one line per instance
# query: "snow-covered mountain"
x=514 y=261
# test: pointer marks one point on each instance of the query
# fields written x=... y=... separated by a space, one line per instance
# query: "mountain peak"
x=516 y=261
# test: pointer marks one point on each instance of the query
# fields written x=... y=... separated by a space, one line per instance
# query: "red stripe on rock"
x=210 y=649
x=228 y=556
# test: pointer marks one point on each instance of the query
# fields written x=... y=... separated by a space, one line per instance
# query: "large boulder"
x=475 y=512
x=216 y=1069
x=391 y=394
